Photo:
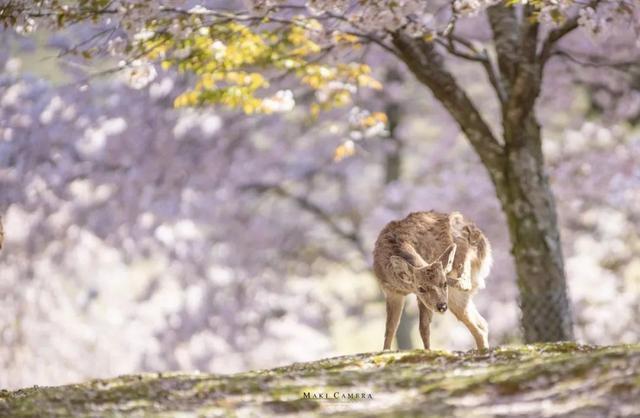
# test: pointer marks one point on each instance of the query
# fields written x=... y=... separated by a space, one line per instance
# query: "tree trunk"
x=527 y=200
x=515 y=166
x=406 y=326
x=393 y=170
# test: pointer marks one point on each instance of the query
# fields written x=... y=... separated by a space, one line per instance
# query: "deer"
x=444 y=260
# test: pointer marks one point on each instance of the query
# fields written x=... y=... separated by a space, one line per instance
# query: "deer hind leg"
x=395 y=303
x=425 y=324
x=465 y=279
x=465 y=310
x=482 y=336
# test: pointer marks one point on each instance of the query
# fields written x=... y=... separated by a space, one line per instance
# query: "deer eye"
x=422 y=289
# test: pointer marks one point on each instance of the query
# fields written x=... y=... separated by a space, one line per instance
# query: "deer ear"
x=401 y=268
x=447 y=258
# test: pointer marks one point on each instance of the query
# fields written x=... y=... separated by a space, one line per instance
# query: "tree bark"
x=528 y=202
x=392 y=172
x=523 y=187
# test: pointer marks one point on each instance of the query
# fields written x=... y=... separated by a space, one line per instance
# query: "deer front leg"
x=425 y=324
x=395 y=303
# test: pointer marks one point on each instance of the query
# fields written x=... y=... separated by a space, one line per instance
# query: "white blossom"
x=472 y=7
x=26 y=26
x=282 y=101
x=333 y=6
x=589 y=20
x=139 y=74
x=326 y=91
x=362 y=130
x=199 y=9
x=261 y=7
x=219 y=50
x=144 y=35
x=12 y=66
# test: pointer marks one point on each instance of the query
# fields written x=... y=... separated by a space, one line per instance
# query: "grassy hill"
x=563 y=379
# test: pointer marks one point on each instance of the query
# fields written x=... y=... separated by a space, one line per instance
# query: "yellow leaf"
x=341 y=98
x=428 y=37
x=380 y=116
x=368 y=81
x=341 y=37
x=344 y=150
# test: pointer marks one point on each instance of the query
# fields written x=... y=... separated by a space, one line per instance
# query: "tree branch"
x=481 y=57
x=450 y=46
x=428 y=66
x=557 y=34
x=516 y=42
x=526 y=81
x=311 y=207
x=505 y=28
x=595 y=61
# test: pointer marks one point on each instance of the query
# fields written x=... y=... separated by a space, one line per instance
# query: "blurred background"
x=140 y=237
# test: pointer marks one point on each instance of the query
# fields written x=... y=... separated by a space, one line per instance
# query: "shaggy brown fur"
x=425 y=253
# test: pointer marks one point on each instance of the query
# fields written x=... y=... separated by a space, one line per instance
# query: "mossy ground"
x=541 y=380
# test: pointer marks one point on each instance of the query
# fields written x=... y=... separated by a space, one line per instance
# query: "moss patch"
x=561 y=379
